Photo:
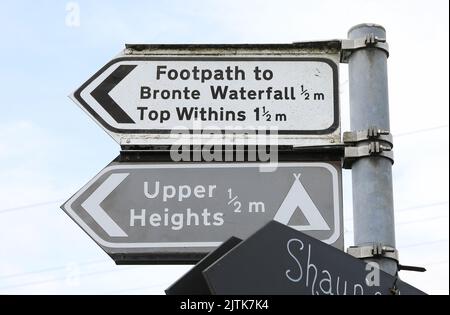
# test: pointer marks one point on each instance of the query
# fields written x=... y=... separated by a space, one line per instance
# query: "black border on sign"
x=329 y=130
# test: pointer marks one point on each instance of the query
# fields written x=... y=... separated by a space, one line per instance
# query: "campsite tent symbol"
x=298 y=198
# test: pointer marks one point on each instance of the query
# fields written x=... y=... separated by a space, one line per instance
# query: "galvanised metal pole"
x=373 y=209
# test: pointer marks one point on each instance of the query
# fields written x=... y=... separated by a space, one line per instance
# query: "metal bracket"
x=379 y=250
x=411 y=268
x=373 y=133
x=370 y=142
x=348 y=46
x=374 y=250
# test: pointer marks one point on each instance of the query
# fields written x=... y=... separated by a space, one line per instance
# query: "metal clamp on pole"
x=370 y=142
x=350 y=45
x=374 y=250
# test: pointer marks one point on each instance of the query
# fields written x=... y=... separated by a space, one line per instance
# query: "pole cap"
x=361 y=30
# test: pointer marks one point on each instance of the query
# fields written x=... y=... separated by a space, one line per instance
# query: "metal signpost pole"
x=373 y=212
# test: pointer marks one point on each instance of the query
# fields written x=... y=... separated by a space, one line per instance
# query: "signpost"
x=168 y=212
x=193 y=282
x=158 y=98
x=280 y=260
x=164 y=93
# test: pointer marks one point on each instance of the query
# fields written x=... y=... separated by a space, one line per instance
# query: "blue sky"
x=49 y=148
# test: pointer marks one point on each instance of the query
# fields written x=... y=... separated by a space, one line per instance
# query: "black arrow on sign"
x=101 y=94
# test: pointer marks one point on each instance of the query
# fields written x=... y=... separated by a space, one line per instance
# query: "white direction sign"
x=153 y=97
x=179 y=212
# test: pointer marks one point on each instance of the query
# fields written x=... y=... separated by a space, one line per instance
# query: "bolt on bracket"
x=367 y=143
x=373 y=251
x=348 y=46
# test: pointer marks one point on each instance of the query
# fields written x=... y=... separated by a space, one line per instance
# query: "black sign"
x=280 y=260
x=193 y=282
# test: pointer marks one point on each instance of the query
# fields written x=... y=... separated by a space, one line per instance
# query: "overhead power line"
x=412 y=132
x=423 y=219
x=427 y=205
x=90 y=274
x=51 y=269
x=34 y=205
x=412 y=221
x=440 y=262
x=424 y=243
x=435 y=204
